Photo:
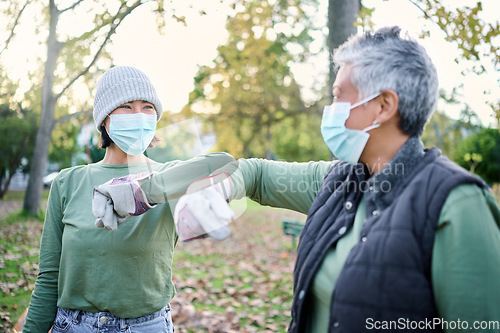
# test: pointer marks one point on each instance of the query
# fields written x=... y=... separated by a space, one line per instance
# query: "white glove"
x=203 y=210
x=116 y=200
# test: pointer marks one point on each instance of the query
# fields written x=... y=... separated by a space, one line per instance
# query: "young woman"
x=118 y=280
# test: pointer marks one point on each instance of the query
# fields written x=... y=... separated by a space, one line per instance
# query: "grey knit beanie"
x=121 y=85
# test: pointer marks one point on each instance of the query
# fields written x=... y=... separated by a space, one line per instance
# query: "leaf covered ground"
x=242 y=284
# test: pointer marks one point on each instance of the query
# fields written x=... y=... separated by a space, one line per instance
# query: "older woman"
x=397 y=238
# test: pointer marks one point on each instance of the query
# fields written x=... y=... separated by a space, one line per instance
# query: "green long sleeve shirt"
x=127 y=272
x=466 y=256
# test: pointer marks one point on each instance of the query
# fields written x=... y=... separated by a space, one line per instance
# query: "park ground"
x=242 y=284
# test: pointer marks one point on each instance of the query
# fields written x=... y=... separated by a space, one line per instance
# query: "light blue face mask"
x=132 y=133
x=345 y=144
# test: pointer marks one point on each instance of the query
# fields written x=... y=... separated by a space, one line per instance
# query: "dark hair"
x=106 y=141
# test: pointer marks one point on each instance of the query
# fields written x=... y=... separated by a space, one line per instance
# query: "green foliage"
x=464 y=26
x=17 y=130
x=249 y=89
x=446 y=133
x=477 y=40
x=63 y=144
x=480 y=153
x=299 y=138
x=442 y=132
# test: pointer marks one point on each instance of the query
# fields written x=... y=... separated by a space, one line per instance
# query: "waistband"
x=101 y=318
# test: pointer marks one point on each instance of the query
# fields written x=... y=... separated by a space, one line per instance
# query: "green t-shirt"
x=127 y=272
x=466 y=254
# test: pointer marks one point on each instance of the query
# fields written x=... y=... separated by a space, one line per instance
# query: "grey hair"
x=383 y=60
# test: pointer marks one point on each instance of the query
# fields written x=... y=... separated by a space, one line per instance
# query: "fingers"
x=99 y=223
x=187 y=225
x=221 y=233
x=110 y=219
x=104 y=211
x=203 y=212
x=223 y=214
x=206 y=211
x=98 y=204
x=219 y=205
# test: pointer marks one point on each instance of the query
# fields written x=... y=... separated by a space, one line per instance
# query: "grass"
x=19 y=195
x=244 y=282
x=18 y=267
x=19 y=248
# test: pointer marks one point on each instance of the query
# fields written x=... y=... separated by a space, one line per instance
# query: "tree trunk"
x=35 y=185
x=4 y=186
x=342 y=15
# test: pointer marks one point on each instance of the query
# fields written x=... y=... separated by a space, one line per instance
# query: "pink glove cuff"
x=141 y=202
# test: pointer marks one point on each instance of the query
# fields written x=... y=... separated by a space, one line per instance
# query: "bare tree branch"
x=113 y=25
x=73 y=6
x=72 y=115
x=16 y=22
x=429 y=17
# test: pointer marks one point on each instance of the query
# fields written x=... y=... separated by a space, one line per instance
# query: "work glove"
x=116 y=200
x=203 y=211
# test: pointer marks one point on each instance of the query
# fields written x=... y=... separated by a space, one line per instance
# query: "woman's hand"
x=116 y=200
x=203 y=211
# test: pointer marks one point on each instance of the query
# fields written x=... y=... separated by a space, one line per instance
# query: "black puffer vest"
x=386 y=275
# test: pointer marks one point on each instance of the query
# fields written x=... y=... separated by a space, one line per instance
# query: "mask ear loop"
x=375 y=124
x=365 y=100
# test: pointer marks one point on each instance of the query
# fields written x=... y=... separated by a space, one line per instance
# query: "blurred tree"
x=63 y=143
x=442 y=132
x=446 y=133
x=342 y=21
x=17 y=130
x=69 y=58
x=299 y=138
x=249 y=89
x=464 y=26
x=480 y=153
x=476 y=39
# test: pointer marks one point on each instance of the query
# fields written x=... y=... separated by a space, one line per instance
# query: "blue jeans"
x=77 y=321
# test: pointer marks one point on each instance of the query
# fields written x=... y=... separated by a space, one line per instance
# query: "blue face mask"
x=132 y=133
x=345 y=144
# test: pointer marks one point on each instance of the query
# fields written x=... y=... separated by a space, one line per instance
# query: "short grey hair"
x=383 y=60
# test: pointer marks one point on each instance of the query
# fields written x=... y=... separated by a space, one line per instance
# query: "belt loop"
x=75 y=314
x=123 y=325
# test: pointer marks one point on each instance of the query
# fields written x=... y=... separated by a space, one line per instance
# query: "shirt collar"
x=382 y=186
